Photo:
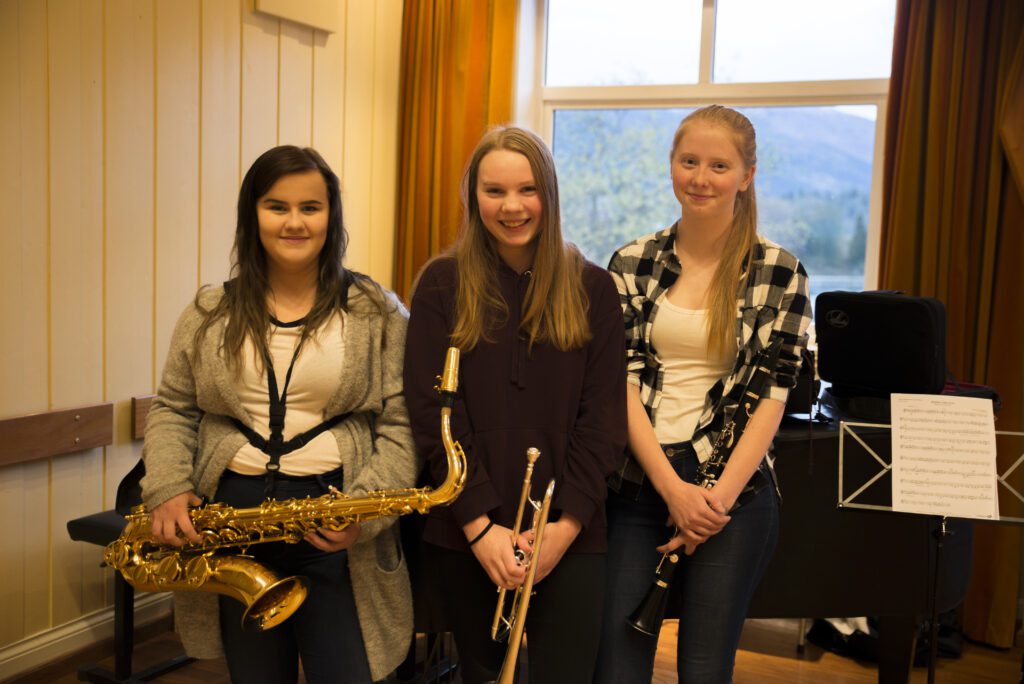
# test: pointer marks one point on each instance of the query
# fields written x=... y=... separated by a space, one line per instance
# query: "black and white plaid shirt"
x=773 y=301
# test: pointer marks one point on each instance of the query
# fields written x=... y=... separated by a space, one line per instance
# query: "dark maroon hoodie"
x=569 y=405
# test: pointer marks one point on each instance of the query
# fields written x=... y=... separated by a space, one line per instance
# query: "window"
x=615 y=79
x=592 y=43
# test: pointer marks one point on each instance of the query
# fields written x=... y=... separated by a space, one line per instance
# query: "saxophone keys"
x=196 y=571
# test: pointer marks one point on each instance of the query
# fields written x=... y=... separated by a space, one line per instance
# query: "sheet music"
x=944 y=456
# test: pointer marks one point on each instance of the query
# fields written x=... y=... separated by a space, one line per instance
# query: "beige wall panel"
x=387 y=67
x=260 y=50
x=125 y=128
x=76 y=201
x=357 y=164
x=129 y=33
x=177 y=167
x=76 y=485
x=25 y=576
x=328 y=91
x=11 y=492
x=296 y=96
x=23 y=276
x=75 y=34
x=220 y=106
x=24 y=506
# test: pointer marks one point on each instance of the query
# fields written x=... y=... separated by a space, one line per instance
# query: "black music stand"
x=940 y=533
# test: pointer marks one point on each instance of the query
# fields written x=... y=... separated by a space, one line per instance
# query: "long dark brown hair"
x=555 y=304
x=244 y=303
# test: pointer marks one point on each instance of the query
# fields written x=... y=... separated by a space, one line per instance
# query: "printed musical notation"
x=944 y=456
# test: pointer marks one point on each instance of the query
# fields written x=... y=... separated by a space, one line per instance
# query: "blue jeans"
x=324 y=632
x=715 y=584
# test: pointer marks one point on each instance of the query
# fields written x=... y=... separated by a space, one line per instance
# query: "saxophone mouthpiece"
x=449 y=380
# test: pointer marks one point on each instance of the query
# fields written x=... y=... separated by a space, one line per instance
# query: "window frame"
x=536 y=103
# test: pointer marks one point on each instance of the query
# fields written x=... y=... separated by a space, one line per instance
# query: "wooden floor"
x=768 y=655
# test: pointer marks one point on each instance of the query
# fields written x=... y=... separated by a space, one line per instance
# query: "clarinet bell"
x=648 y=616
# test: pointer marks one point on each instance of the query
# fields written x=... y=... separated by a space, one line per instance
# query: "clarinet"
x=649 y=614
x=711 y=469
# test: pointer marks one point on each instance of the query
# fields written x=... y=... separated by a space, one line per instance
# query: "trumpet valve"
x=501 y=634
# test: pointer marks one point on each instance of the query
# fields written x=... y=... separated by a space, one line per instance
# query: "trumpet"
x=511 y=626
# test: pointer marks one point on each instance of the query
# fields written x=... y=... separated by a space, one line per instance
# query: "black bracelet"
x=487 y=528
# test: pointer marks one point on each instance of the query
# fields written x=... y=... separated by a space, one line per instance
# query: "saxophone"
x=150 y=565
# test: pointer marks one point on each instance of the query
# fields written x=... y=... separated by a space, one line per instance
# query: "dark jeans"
x=324 y=631
x=563 y=624
x=716 y=583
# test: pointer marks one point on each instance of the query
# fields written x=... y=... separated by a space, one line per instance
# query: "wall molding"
x=140 y=411
x=45 y=647
x=51 y=433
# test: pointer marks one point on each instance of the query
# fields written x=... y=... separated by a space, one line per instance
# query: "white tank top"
x=314 y=381
x=680 y=340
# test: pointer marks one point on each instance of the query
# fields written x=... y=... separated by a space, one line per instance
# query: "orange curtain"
x=952 y=229
x=458 y=66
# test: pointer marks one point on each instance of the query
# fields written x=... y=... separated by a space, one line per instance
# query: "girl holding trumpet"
x=542 y=366
x=700 y=299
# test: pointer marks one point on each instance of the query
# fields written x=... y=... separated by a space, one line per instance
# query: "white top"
x=680 y=338
x=314 y=380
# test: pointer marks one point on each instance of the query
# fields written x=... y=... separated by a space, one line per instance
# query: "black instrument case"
x=877 y=343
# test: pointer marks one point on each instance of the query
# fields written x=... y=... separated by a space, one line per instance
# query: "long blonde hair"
x=737 y=254
x=555 y=304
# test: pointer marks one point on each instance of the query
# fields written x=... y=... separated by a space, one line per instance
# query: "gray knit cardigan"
x=190 y=439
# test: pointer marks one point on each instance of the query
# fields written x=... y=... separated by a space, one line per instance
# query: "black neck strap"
x=278 y=407
x=275 y=446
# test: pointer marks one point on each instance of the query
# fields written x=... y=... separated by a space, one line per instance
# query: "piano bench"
x=102 y=529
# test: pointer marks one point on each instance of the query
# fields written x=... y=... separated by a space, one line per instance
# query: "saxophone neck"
x=447 y=387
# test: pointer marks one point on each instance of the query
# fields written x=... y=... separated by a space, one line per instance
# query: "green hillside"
x=813 y=180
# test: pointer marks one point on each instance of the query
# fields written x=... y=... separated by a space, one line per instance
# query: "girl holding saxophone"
x=281 y=384
x=542 y=366
x=700 y=299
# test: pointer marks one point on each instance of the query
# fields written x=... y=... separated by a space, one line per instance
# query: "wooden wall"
x=125 y=127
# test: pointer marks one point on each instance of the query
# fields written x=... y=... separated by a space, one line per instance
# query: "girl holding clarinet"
x=700 y=299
